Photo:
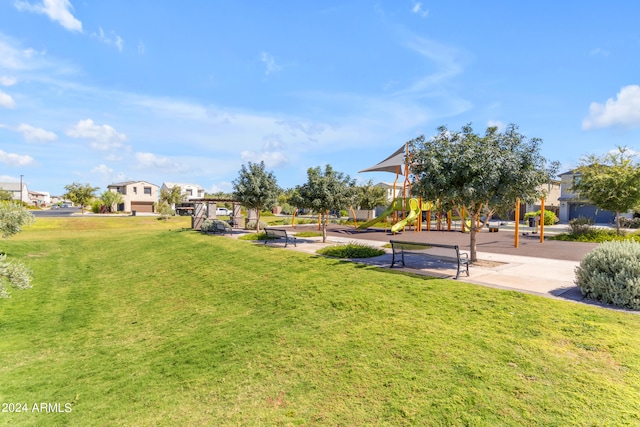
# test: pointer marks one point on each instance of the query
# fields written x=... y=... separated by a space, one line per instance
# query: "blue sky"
x=165 y=91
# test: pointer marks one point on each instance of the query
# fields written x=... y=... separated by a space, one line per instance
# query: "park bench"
x=442 y=253
x=278 y=233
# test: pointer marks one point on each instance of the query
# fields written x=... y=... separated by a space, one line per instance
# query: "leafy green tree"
x=111 y=199
x=256 y=188
x=478 y=173
x=12 y=217
x=369 y=196
x=172 y=195
x=80 y=194
x=325 y=191
x=611 y=182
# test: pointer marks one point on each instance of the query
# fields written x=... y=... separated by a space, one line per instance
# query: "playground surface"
x=546 y=269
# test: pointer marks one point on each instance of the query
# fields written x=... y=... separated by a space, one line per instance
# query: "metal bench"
x=278 y=233
x=444 y=253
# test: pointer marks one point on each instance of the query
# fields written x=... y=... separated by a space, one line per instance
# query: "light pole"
x=21 y=189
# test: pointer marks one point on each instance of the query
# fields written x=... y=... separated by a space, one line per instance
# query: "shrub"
x=95 y=206
x=611 y=274
x=251 y=225
x=549 y=217
x=629 y=222
x=13 y=274
x=208 y=225
x=580 y=225
x=351 y=250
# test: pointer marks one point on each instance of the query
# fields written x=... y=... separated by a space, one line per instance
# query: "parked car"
x=222 y=211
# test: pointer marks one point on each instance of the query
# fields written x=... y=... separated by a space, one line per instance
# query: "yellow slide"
x=397 y=203
x=414 y=211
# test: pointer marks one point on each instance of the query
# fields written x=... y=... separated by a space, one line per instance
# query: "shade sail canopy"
x=394 y=163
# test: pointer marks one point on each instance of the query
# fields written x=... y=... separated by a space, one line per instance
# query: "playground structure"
x=406 y=211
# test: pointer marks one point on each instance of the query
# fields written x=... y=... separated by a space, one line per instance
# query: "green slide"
x=413 y=214
x=388 y=211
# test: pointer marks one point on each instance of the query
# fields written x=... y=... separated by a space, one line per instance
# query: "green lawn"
x=134 y=321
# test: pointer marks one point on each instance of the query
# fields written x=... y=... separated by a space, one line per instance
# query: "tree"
x=171 y=195
x=369 y=196
x=12 y=217
x=610 y=182
x=325 y=191
x=111 y=199
x=478 y=173
x=80 y=194
x=256 y=188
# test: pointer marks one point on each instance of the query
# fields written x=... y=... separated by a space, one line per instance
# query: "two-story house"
x=188 y=191
x=571 y=206
x=139 y=196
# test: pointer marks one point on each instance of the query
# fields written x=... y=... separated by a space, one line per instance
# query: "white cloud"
x=7 y=80
x=271 y=159
x=101 y=137
x=31 y=133
x=103 y=170
x=57 y=10
x=112 y=39
x=15 y=159
x=224 y=186
x=624 y=111
x=270 y=63
x=6 y=100
x=153 y=161
x=497 y=123
x=445 y=59
x=417 y=9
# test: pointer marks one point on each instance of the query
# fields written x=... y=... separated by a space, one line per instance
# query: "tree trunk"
x=324 y=226
x=472 y=237
x=257 y=220
x=617 y=222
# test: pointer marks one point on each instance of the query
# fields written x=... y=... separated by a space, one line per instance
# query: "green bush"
x=209 y=225
x=630 y=222
x=580 y=225
x=351 y=250
x=13 y=274
x=95 y=206
x=251 y=225
x=549 y=217
x=611 y=274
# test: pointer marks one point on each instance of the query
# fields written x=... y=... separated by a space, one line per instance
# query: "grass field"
x=134 y=321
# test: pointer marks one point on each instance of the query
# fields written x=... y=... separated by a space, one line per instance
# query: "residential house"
x=188 y=191
x=139 y=196
x=552 y=191
x=18 y=192
x=571 y=206
x=40 y=198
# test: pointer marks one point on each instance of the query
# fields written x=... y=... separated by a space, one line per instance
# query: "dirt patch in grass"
x=482 y=263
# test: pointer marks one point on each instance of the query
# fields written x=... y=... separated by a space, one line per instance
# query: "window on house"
x=189 y=192
x=135 y=190
x=147 y=191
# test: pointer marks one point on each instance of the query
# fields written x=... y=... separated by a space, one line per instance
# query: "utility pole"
x=21 y=189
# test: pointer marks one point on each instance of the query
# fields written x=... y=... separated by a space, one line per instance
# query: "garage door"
x=599 y=216
x=142 y=206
